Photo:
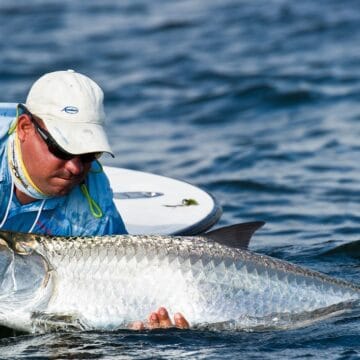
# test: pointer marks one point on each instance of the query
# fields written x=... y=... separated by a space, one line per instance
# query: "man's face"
x=52 y=175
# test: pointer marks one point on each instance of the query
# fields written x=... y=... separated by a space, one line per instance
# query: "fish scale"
x=106 y=282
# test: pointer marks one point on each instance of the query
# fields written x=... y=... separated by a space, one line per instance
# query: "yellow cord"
x=14 y=123
x=24 y=170
x=94 y=207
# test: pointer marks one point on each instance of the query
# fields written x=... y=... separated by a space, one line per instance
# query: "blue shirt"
x=67 y=215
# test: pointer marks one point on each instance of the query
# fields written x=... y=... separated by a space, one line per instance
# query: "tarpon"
x=106 y=282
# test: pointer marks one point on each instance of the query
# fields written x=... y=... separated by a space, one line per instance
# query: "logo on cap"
x=70 y=109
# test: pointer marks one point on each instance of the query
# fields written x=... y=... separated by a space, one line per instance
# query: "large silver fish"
x=106 y=282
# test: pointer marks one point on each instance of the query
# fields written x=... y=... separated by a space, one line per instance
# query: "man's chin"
x=62 y=190
x=60 y=186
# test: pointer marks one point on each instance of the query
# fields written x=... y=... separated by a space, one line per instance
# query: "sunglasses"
x=54 y=147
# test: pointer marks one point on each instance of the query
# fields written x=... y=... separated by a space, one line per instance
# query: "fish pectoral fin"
x=237 y=236
x=52 y=322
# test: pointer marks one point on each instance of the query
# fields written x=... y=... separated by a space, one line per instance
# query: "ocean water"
x=257 y=102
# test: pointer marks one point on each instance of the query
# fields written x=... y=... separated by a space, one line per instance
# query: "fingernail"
x=178 y=316
x=162 y=311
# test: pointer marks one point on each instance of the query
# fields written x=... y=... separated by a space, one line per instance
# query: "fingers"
x=164 y=319
x=180 y=321
x=153 y=321
x=160 y=320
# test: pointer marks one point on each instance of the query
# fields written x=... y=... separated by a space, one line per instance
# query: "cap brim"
x=79 y=138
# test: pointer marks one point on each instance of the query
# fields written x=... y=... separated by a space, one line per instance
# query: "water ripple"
x=257 y=102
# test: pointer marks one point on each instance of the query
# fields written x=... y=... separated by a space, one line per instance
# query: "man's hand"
x=161 y=320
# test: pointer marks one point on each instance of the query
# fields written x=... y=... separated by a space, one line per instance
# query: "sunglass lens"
x=59 y=153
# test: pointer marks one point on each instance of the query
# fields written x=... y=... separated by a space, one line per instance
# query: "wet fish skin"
x=106 y=282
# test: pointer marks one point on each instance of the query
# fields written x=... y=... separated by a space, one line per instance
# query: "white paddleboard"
x=154 y=204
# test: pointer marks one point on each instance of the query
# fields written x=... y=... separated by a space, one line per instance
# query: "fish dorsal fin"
x=237 y=235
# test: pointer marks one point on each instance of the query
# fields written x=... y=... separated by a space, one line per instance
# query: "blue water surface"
x=257 y=102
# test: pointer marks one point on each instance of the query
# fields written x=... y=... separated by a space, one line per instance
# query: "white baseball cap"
x=71 y=106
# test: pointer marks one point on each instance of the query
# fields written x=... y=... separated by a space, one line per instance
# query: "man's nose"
x=75 y=165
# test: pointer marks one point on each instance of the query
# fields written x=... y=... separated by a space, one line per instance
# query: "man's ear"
x=24 y=126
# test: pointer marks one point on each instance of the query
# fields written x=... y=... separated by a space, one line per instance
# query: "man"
x=50 y=179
